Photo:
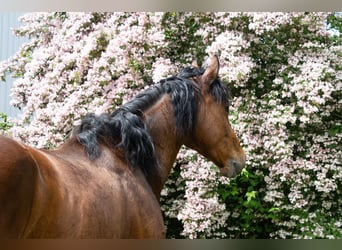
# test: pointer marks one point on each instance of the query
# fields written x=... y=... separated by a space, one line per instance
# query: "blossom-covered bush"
x=284 y=71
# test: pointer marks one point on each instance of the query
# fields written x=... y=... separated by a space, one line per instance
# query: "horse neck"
x=159 y=120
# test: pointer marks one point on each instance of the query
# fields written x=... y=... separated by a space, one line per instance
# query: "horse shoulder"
x=143 y=208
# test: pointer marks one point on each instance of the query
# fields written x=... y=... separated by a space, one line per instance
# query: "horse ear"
x=211 y=67
x=194 y=64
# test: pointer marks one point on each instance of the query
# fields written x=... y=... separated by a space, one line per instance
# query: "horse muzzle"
x=233 y=168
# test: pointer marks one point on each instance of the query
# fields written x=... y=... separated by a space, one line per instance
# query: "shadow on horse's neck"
x=160 y=124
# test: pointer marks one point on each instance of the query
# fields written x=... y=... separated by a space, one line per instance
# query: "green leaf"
x=334 y=131
x=251 y=195
x=274 y=209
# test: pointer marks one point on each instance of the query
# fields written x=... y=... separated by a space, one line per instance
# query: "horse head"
x=213 y=136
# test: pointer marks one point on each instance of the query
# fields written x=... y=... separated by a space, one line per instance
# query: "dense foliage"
x=284 y=70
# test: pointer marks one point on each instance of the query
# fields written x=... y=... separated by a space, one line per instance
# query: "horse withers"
x=105 y=180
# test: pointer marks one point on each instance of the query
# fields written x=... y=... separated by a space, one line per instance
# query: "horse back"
x=62 y=194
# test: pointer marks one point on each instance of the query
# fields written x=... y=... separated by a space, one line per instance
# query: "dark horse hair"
x=125 y=128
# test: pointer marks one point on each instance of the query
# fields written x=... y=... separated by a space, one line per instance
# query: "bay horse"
x=105 y=180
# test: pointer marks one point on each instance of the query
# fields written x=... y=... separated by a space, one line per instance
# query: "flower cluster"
x=236 y=64
x=78 y=63
x=261 y=23
x=202 y=215
x=284 y=71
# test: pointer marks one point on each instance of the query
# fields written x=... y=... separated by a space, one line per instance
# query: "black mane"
x=125 y=129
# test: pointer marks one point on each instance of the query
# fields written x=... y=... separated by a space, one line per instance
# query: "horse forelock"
x=125 y=128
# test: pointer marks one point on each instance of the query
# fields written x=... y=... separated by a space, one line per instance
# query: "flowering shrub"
x=284 y=71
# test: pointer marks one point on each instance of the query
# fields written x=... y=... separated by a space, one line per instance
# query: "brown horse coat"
x=41 y=202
